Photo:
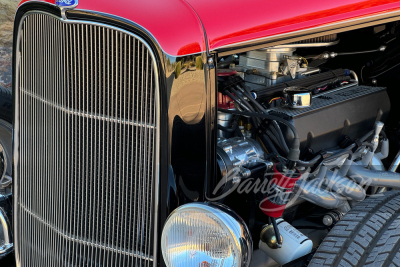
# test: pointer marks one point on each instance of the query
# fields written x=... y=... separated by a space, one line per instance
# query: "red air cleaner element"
x=281 y=187
x=225 y=72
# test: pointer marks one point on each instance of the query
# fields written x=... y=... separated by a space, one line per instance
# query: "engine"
x=306 y=133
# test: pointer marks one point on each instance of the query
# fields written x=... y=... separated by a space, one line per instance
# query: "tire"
x=368 y=235
x=6 y=104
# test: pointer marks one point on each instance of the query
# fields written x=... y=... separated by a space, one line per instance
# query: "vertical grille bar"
x=86 y=145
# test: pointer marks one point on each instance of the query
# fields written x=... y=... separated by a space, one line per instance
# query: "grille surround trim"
x=16 y=108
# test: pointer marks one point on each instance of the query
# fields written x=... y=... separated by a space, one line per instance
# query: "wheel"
x=368 y=235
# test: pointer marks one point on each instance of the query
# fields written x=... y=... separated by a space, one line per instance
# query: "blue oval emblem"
x=66 y=3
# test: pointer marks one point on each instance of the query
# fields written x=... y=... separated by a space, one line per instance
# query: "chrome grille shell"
x=86 y=145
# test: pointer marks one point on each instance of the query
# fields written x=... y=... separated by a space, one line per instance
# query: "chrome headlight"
x=206 y=234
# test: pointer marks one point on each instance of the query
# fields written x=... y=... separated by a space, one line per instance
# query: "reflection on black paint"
x=188 y=159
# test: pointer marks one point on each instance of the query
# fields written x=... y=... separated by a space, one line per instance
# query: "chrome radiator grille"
x=86 y=145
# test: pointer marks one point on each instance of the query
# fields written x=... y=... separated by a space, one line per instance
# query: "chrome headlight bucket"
x=206 y=234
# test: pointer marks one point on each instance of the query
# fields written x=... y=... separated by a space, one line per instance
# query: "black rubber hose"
x=256 y=122
x=272 y=129
x=239 y=132
x=241 y=98
x=271 y=146
x=278 y=142
x=275 y=140
x=265 y=116
x=226 y=129
x=309 y=163
x=280 y=134
x=252 y=100
x=233 y=128
x=276 y=229
x=368 y=145
x=255 y=103
x=237 y=100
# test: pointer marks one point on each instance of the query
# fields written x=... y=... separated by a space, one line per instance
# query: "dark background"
x=8 y=261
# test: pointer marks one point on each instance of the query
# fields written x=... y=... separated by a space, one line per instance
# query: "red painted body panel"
x=177 y=28
x=233 y=21
x=173 y=23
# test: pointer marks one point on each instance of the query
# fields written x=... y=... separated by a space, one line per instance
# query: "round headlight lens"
x=204 y=234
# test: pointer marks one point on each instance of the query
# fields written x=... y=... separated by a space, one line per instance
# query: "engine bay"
x=307 y=130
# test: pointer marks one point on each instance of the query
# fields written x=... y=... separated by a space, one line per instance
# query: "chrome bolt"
x=325 y=56
x=333 y=54
x=246 y=173
x=327 y=220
